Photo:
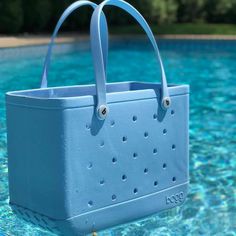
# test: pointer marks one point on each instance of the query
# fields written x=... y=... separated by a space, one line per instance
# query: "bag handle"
x=100 y=73
x=67 y=12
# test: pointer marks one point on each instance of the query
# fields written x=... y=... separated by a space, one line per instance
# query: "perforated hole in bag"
x=88 y=126
x=114 y=160
x=90 y=203
x=124 y=177
x=113 y=197
x=112 y=123
x=124 y=139
x=146 y=134
x=102 y=144
x=135 y=155
x=135 y=118
x=90 y=166
x=133 y=152
x=135 y=191
x=155 y=151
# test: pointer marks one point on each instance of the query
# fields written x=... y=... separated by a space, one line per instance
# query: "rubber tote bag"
x=85 y=158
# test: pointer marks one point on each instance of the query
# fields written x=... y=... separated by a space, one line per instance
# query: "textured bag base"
x=109 y=216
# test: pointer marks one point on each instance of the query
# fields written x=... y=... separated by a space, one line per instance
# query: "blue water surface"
x=210 y=69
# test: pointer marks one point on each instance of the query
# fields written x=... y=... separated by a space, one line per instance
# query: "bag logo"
x=175 y=198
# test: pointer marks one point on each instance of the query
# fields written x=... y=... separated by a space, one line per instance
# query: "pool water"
x=210 y=69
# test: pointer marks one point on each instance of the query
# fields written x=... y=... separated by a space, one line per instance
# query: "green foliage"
x=157 y=11
x=221 y=11
x=183 y=28
x=77 y=21
x=163 y=11
x=11 y=17
x=36 y=14
x=41 y=15
x=191 y=10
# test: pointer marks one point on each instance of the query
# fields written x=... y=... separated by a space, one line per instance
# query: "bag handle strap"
x=97 y=51
x=67 y=12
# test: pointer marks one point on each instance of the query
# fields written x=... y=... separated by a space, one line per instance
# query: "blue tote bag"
x=84 y=158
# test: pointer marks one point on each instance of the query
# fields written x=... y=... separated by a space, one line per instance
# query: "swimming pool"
x=208 y=66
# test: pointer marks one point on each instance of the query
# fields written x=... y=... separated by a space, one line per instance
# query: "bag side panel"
x=36 y=160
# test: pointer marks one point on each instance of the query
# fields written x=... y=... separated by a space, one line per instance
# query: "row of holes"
x=114 y=160
x=124 y=177
x=135 y=191
x=125 y=139
x=135 y=118
x=135 y=156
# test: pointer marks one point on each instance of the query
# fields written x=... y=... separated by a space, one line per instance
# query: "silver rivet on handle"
x=103 y=112
x=166 y=102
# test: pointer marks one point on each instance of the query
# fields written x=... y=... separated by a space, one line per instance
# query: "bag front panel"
x=137 y=151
